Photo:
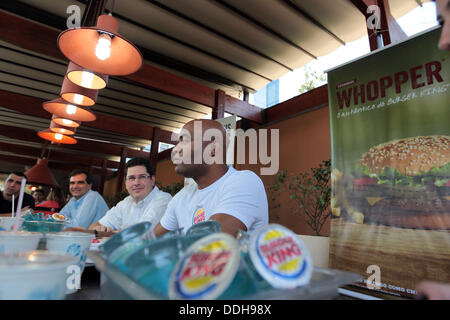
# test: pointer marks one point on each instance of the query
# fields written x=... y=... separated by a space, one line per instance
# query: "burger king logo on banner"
x=206 y=269
x=199 y=216
x=280 y=257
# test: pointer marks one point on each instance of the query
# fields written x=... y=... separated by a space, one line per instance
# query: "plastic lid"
x=20 y=234
x=280 y=257
x=206 y=269
x=70 y=234
x=33 y=260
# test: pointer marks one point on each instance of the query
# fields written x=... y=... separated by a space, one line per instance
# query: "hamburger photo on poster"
x=390 y=179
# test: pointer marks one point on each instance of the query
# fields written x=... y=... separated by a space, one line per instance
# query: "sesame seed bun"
x=409 y=156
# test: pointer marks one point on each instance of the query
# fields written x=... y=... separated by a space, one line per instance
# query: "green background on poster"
x=424 y=111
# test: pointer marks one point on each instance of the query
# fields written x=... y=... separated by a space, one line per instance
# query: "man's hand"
x=101 y=228
x=432 y=290
x=78 y=229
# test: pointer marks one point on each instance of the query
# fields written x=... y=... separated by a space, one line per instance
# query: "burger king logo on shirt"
x=199 y=216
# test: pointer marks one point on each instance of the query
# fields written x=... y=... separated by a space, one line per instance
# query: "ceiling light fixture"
x=77 y=95
x=62 y=108
x=56 y=137
x=86 y=78
x=65 y=122
x=101 y=49
x=62 y=129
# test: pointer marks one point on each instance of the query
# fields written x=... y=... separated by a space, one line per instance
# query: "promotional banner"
x=390 y=134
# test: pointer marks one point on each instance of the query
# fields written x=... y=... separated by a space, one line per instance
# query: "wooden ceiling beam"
x=81 y=145
x=33 y=106
x=58 y=155
x=31 y=162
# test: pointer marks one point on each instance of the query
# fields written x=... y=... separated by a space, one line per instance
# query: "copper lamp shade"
x=41 y=174
x=65 y=122
x=62 y=108
x=56 y=137
x=62 y=129
x=77 y=95
x=85 y=78
x=101 y=49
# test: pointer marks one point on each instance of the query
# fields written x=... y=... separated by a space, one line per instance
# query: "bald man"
x=236 y=199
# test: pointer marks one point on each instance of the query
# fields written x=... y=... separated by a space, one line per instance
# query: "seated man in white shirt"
x=145 y=202
x=86 y=205
x=236 y=199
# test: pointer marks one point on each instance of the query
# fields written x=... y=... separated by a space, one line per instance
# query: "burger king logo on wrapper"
x=280 y=257
x=199 y=216
x=206 y=269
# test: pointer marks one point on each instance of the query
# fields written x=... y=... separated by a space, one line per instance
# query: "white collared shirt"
x=127 y=212
x=238 y=193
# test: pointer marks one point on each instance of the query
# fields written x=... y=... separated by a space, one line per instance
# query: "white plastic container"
x=7 y=223
x=71 y=243
x=11 y=242
x=33 y=275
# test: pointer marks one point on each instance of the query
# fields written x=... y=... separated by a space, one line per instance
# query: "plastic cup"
x=33 y=275
x=205 y=228
x=43 y=226
x=7 y=223
x=11 y=242
x=124 y=242
x=71 y=243
x=211 y=268
x=152 y=263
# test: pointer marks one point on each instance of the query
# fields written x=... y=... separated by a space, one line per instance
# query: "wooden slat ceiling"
x=232 y=45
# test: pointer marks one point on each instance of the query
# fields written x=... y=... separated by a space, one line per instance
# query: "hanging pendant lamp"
x=101 y=49
x=56 y=137
x=41 y=174
x=62 y=129
x=77 y=95
x=85 y=78
x=63 y=109
x=65 y=122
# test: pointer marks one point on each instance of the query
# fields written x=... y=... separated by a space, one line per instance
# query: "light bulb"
x=67 y=122
x=58 y=136
x=78 y=98
x=71 y=109
x=103 y=48
x=86 y=79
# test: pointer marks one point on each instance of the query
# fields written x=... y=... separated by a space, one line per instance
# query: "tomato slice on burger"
x=357 y=182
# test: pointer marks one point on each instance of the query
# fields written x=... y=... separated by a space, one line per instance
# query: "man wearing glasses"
x=86 y=206
x=145 y=202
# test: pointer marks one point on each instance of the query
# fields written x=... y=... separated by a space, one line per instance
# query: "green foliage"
x=172 y=188
x=116 y=198
x=312 y=80
x=309 y=192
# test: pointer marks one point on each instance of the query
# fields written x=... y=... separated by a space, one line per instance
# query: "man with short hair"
x=236 y=199
x=12 y=188
x=86 y=206
x=145 y=202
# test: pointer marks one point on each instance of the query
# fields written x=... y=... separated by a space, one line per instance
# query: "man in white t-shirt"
x=145 y=202
x=236 y=199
